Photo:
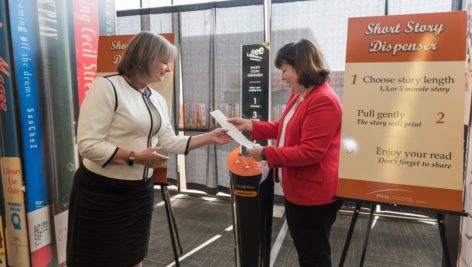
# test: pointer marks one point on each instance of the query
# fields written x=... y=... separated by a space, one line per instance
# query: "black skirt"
x=109 y=221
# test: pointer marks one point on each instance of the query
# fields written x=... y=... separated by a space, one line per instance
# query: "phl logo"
x=383 y=196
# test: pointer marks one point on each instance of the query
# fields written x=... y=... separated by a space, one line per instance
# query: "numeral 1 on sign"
x=354 y=78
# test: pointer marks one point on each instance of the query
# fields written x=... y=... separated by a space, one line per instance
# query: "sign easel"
x=403 y=117
x=440 y=216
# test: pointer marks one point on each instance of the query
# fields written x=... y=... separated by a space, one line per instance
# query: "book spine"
x=3 y=261
x=107 y=22
x=195 y=115
x=16 y=232
x=58 y=105
x=73 y=61
x=202 y=115
x=16 y=235
x=86 y=43
x=26 y=51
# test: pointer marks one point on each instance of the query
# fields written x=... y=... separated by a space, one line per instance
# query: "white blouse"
x=284 y=126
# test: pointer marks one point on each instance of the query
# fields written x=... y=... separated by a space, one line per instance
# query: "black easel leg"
x=166 y=198
x=442 y=232
x=349 y=234
x=174 y=224
x=366 y=240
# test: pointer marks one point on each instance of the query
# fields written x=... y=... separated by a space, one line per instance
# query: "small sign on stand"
x=252 y=193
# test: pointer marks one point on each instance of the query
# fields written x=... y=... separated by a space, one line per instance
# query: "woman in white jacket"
x=123 y=125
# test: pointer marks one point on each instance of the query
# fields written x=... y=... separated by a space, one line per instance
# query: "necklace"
x=134 y=84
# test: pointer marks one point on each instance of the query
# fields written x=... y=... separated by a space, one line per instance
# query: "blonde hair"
x=143 y=51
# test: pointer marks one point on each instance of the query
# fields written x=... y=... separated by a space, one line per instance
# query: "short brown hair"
x=142 y=52
x=307 y=60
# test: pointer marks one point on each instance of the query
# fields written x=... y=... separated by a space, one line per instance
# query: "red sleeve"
x=320 y=128
x=262 y=130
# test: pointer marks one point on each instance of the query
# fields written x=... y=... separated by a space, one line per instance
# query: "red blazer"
x=310 y=156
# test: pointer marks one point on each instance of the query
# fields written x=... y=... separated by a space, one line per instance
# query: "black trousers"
x=310 y=227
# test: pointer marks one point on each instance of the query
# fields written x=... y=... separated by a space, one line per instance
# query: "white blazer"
x=114 y=115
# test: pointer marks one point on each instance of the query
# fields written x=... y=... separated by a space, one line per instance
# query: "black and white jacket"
x=114 y=115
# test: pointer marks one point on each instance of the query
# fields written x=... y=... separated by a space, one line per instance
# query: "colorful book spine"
x=26 y=51
x=107 y=22
x=3 y=260
x=58 y=104
x=73 y=61
x=86 y=44
x=16 y=234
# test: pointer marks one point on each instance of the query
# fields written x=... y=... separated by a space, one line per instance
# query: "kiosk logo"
x=256 y=54
x=383 y=196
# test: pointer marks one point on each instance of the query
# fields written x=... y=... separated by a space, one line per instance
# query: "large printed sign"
x=403 y=130
x=465 y=253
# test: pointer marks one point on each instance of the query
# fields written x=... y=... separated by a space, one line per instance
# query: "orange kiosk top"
x=243 y=165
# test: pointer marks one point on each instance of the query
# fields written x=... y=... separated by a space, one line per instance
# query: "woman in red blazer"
x=307 y=152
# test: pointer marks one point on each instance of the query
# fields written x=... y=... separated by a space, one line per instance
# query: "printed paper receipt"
x=232 y=130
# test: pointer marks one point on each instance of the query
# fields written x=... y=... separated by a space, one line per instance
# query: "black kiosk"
x=252 y=194
x=252 y=210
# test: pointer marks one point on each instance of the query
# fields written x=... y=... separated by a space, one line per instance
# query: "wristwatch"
x=263 y=154
x=131 y=158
